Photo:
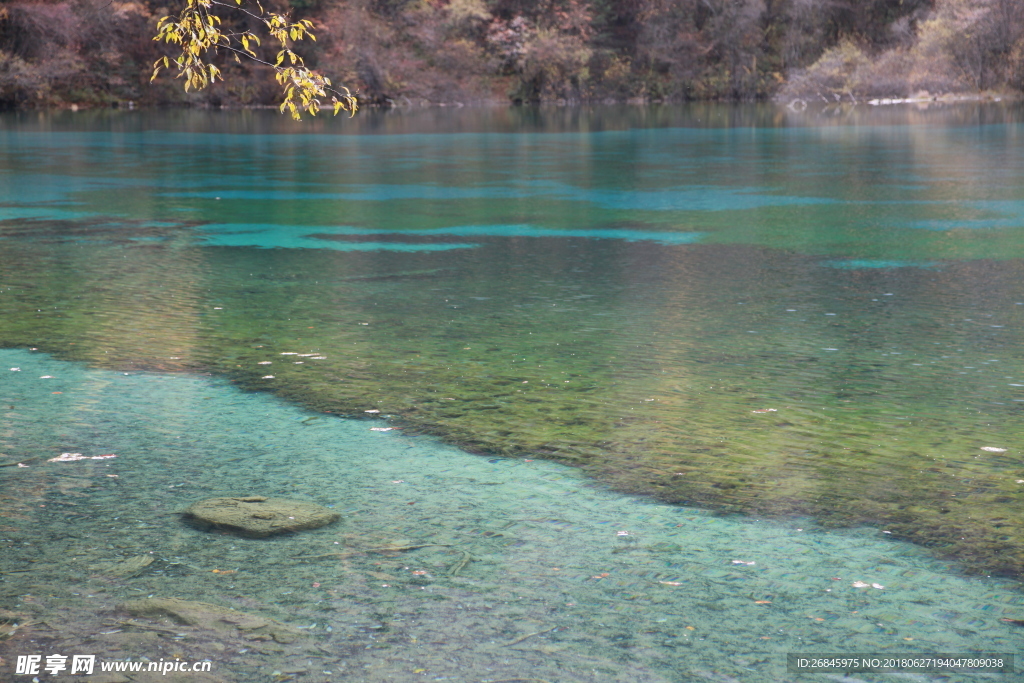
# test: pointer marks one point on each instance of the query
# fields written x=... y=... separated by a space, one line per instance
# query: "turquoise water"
x=633 y=590
x=653 y=387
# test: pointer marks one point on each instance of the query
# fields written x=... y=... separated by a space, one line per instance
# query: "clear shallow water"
x=622 y=588
x=794 y=317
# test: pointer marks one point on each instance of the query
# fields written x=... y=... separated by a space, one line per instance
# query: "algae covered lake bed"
x=783 y=323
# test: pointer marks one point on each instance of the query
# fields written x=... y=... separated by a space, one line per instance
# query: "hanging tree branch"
x=197 y=31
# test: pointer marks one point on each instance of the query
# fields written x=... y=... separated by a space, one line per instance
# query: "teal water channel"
x=619 y=395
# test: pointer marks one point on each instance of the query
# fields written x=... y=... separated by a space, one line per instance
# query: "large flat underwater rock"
x=258 y=516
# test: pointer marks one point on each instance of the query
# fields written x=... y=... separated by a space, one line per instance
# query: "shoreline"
x=793 y=103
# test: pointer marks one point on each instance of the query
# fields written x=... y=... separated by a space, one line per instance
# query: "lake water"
x=620 y=394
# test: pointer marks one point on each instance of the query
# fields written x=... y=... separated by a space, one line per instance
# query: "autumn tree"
x=196 y=31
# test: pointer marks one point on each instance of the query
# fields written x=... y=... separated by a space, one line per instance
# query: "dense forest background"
x=412 y=52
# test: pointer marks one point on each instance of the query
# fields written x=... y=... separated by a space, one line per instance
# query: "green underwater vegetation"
x=742 y=379
x=750 y=310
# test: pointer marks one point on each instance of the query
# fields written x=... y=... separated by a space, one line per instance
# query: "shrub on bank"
x=963 y=46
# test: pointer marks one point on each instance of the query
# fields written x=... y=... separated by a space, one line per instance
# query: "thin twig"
x=529 y=635
x=238 y=9
x=249 y=56
x=26 y=624
x=461 y=564
x=12 y=463
x=372 y=550
x=275 y=67
x=147 y=627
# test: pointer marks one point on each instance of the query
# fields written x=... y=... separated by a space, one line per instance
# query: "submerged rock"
x=133 y=566
x=205 y=615
x=257 y=516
